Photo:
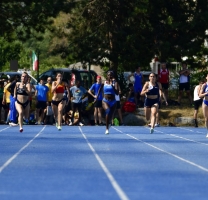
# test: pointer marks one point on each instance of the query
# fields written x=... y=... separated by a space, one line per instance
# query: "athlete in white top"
x=197 y=101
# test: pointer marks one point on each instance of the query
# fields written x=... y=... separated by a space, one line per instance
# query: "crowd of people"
x=58 y=103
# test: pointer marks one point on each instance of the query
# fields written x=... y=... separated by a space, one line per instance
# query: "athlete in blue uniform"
x=110 y=88
x=152 y=91
x=204 y=94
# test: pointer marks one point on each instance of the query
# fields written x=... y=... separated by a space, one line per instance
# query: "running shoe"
x=157 y=125
x=81 y=124
x=42 y=123
x=107 y=132
x=70 y=124
x=21 y=130
x=151 y=130
x=59 y=128
x=12 y=124
x=207 y=135
x=122 y=124
x=36 y=123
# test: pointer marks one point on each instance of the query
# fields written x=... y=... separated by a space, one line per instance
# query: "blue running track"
x=43 y=163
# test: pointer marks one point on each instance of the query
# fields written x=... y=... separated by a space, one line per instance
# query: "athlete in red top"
x=164 y=78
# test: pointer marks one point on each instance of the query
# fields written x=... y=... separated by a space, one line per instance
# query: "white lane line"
x=183 y=138
x=113 y=182
x=171 y=154
x=16 y=154
x=4 y=129
x=192 y=130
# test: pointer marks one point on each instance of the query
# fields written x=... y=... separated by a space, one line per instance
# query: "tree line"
x=127 y=33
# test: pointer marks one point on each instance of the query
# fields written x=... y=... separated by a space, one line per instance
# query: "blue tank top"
x=108 y=89
x=153 y=90
x=138 y=79
x=206 y=89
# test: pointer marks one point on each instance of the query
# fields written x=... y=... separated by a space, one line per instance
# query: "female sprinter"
x=152 y=91
x=22 y=92
x=58 y=100
x=110 y=88
x=204 y=94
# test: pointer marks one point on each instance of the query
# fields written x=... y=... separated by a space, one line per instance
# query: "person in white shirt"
x=197 y=101
x=184 y=83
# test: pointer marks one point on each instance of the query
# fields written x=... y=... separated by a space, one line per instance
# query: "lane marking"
x=16 y=154
x=182 y=138
x=190 y=130
x=171 y=154
x=113 y=182
x=4 y=129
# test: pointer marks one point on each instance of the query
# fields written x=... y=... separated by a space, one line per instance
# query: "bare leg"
x=96 y=114
x=20 y=118
x=100 y=115
x=55 y=112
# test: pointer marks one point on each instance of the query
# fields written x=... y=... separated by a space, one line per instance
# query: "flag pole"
x=38 y=55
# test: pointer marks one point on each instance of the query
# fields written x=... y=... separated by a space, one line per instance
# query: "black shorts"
x=98 y=104
x=118 y=105
x=197 y=104
x=1 y=99
x=77 y=106
x=41 y=105
x=6 y=106
x=184 y=86
x=165 y=86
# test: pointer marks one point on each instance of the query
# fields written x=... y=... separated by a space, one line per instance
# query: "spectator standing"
x=41 y=100
x=204 y=94
x=1 y=97
x=49 y=98
x=97 y=100
x=6 y=102
x=77 y=93
x=13 y=111
x=197 y=101
x=21 y=94
x=32 y=87
x=184 y=83
x=118 y=105
x=138 y=80
x=164 y=78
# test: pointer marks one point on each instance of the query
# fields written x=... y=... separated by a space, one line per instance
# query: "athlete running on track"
x=22 y=92
x=204 y=94
x=152 y=91
x=58 y=99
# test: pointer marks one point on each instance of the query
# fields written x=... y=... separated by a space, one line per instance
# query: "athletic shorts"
x=137 y=89
x=41 y=105
x=98 y=104
x=150 y=102
x=197 y=104
x=184 y=86
x=111 y=103
x=118 y=105
x=77 y=106
x=165 y=86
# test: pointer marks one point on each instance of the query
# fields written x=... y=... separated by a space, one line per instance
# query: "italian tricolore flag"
x=35 y=61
